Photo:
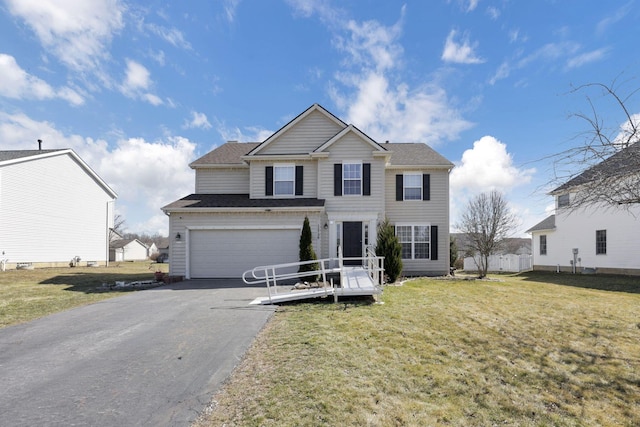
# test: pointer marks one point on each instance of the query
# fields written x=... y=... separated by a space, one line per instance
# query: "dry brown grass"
x=522 y=351
x=28 y=294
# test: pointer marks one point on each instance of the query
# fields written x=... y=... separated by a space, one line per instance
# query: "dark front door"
x=352 y=242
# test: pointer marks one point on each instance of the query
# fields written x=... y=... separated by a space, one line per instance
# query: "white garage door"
x=229 y=253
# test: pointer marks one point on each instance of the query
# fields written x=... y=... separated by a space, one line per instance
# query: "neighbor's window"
x=563 y=200
x=601 y=242
x=414 y=240
x=543 y=245
x=352 y=179
x=412 y=186
x=283 y=180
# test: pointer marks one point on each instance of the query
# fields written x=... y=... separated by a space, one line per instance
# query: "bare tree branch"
x=603 y=168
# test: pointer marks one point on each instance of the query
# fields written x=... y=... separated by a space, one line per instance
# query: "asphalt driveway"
x=149 y=358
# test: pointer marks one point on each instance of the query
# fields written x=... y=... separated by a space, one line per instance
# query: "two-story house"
x=596 y=236
x=251 y=199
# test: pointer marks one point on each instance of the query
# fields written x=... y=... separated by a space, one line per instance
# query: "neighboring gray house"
x=128 y=250
x=251 y=199
x=53 y=207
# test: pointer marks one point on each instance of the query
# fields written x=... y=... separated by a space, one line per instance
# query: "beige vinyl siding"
x=307 y=135
x=182 y=222
x=434 y=212
x=309 y=189
x=351 y=149
x=51 y=210
x=222 y=180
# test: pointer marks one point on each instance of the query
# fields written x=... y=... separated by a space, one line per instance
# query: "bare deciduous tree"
x=487 y=221
x=603 y=168
x=118 y=228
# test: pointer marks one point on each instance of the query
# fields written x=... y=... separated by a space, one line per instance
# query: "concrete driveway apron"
x=149 y=358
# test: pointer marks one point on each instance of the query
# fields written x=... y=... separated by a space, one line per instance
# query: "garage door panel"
x=229 y=253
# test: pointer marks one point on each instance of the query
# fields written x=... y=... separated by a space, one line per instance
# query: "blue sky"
x=141 y=89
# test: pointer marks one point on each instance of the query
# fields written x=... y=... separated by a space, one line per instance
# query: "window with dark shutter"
x=268 y=181
x=434 y=242
x=399 y=187
x=366 y=179
x=337 y=179
x=426 y=186
x=299 y=180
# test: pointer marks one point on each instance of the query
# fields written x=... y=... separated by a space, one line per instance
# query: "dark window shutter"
x=299 y=181
x=434 y=242
x=337 y=179
x=426 y=186
x=399 y=187
x=366 y=179
x=268 y=181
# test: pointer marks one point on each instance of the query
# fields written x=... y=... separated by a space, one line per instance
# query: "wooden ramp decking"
x=355 y=281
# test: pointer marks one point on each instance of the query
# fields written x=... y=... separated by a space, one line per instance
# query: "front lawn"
x=525 y=350
x=28 y=294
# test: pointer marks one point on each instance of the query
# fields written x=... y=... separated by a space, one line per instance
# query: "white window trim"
x=413 y=238
x=404 y=186
x=343 y=178
x=293 y=188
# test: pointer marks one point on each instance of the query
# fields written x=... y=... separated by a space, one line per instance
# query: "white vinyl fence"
x=497 y=263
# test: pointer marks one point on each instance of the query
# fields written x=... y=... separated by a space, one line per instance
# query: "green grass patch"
x=525 y=350
x=28 y=294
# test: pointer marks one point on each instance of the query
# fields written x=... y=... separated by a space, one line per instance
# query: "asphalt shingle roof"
x=239 y=201
x=623 y=162
x=548 y=223
x=17 y=154
x=404 y=154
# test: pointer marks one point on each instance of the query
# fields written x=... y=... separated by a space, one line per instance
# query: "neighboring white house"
x=251 y=199
x=152 y=250
x=53 y=207
x=600 y=238
x=128 y=250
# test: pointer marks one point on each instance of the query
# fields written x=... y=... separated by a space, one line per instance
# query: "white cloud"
x=18 y=84
x=146 y=174
x=230 y=7
x=370 y=90
x=76 y=32
x=586 y=58
x=249 y=134
x=488 y=166
x=137 y=81
x=460 y=53
x=198 y=120
x=170 y=35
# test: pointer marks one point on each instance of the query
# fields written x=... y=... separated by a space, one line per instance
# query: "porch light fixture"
x=326 y=226
x=178 y=236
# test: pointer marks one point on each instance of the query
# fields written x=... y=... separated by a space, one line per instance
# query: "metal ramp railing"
x=271 y=275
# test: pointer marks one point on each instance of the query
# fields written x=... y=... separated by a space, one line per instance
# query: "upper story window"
x=352 y=179
x=601 y=242
x=543 y=244
x=563 y=200
x=412 y=186
x=283 y=180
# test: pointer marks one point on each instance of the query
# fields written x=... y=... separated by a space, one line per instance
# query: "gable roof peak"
x=314 y=107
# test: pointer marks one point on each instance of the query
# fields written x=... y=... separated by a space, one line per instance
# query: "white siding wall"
x=182 y=222
x=307 y=135
x=434 y=212
x=135 y=251
x=51 y=211
x=578 y=230
x=222 y=181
